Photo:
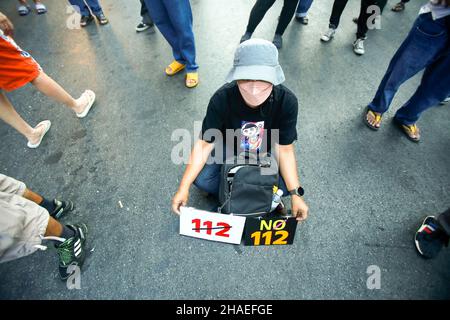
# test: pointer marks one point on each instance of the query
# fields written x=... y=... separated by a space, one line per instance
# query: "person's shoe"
x=89 y=96
x=278 y=41
x=327 y=36
x=102 y=19
x=23 y=10
x=411 y=131
x=72 y=251
x=302 y=20
x=191 y=79
x=430 y=238
x=399 y=7
x=142 y=27
x=358 y=47
x=85 y=20
x=246 y=37
x=46 y=124
x=40 y=8
x=61 y=208
x=446 y=100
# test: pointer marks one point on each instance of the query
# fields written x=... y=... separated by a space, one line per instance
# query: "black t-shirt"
x=254 y=128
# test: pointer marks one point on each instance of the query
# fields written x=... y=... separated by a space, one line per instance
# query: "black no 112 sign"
x=269 y=231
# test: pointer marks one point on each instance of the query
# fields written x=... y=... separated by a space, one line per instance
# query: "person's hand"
x=180 y=199
x=299 y=208
x=6 y=25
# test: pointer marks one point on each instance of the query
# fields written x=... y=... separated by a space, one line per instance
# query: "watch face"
x=299 y=192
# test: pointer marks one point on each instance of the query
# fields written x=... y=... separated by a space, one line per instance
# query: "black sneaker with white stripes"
x=72 y=251
x=61 y=208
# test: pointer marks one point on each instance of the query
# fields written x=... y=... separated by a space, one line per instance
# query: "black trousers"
x=262 y=6
x=339 y=6
x=145 y=14
x=444 y=221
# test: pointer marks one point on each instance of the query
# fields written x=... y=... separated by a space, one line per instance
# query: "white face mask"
x=254 y=92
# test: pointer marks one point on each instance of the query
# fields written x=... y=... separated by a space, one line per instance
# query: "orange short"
x=17 y=67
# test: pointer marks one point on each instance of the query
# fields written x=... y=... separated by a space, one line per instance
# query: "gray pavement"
x=367 y=191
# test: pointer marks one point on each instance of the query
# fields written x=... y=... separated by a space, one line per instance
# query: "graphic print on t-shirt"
x=252 y=135
x=14 y=44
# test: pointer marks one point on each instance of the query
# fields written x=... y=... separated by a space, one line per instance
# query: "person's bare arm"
x=5 y=25
x=288 y=170
x=199 y=156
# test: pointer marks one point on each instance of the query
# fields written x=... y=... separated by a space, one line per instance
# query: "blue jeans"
x=174 y=19
x=303 y=7
x=84 y=10
x=426 y=47
x=209 y=180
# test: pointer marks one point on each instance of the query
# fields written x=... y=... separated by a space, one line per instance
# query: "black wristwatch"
x=297 y=192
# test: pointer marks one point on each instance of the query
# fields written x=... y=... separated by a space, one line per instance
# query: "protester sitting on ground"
x=363 y=21
x=24 y=8
x=18 y=68
x=27 y=218
x=427 y=46
x=88 y=6
x=257 y=14
x=147 y=21
x=253 y=105
x=174 y=20
x=433 y=234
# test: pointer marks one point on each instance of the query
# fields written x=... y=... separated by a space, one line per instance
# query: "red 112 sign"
x=211 y=226
x=221 y=228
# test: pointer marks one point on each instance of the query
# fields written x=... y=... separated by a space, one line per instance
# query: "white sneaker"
x=327 y=36
x=358 y=47
x=446 y=100
x=142 y=27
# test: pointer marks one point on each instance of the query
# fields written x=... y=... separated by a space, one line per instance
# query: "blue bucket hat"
x=256 y=59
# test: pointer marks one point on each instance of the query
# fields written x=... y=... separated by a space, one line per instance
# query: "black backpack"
x=247 y=183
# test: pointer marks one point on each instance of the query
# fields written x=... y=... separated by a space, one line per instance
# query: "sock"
x=67 y=232
x=48 y=204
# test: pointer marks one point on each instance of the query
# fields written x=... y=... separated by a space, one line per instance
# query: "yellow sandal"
x=376 y=117
x=191 y=79
x=411 y=131
x=174 y=68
